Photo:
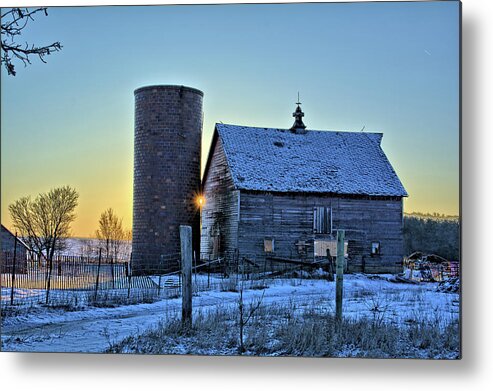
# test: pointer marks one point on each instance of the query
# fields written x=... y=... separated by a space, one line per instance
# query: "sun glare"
x=200 y=200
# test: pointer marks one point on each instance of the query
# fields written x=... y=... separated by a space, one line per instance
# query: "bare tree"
x=111 y=233
x=13 y=22
x=89 y=248
x=126 y=247
x=45 y=221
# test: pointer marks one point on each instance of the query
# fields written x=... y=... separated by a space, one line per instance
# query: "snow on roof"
x=279 y=160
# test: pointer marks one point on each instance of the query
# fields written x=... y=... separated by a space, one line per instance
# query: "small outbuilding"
x=12 y=246
x=283 y=193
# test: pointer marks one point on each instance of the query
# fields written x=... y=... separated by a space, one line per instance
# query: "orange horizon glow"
x=88 y=212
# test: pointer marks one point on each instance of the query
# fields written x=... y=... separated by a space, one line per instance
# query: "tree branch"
x=16 y=20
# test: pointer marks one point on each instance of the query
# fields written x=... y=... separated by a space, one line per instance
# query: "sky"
x=387 y=67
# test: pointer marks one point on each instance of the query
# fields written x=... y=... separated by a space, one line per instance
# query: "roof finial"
x=298 y=126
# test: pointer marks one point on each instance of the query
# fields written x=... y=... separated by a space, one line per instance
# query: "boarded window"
x=375 y=248
x=321 y=247
x=322 y=220
x=269 y=245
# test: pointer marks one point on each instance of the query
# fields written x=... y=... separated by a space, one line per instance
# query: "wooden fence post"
x=48 y=282
x=97 y=277
x=129 y=273
x=186 y=271
x=13 y=271
x=59 y=265
x=339 y=274
x=112 y=272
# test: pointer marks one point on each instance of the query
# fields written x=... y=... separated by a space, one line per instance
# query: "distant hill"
x=91 y=246
x=432 y=216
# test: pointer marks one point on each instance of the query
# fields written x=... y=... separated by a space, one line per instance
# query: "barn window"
x=375 y=248
x=269 y=245
x=322 y=220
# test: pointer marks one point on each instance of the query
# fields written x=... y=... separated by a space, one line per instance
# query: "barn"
x=281 y=194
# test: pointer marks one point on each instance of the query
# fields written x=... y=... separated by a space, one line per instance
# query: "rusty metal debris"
x=429 y=268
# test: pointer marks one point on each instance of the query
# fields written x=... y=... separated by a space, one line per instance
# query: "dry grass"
x=294 y=330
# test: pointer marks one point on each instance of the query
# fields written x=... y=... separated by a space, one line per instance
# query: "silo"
x=168 y=135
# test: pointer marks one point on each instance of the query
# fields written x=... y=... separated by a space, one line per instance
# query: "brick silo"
x=168 y=135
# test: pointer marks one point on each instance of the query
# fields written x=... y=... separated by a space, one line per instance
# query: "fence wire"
x=76 y=281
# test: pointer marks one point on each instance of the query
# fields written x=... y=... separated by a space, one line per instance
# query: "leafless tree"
x=45 y=221
x=126 y=247
x=13 y=22
x=89 y=248
x=111 y=234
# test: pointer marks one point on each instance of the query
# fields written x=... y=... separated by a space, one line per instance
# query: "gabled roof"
x=6 y=230
x=278 y=160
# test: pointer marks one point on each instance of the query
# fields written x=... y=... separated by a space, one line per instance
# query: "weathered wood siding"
x=288 y=219
x=7 y=253
x=220 y=213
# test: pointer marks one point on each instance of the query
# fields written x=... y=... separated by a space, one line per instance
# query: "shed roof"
x=6 y=231
x=278 y=160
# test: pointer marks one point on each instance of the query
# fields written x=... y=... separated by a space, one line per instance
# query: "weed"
x=229 y=284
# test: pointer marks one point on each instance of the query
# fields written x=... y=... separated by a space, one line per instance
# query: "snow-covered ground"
x=94 y=329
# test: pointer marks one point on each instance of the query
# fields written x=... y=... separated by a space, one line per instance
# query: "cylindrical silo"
x=168 y=135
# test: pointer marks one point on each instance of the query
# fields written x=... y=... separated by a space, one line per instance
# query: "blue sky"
x=391 y=67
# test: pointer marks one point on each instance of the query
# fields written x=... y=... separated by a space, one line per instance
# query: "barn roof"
x=278 y=160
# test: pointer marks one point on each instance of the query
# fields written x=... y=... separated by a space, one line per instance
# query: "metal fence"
x=80 y=280
x=76 y=281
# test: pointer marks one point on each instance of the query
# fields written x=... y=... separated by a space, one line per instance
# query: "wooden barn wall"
x=288 y=219
x=220 y=213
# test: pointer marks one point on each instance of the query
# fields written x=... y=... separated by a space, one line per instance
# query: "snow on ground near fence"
x=92 y=330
